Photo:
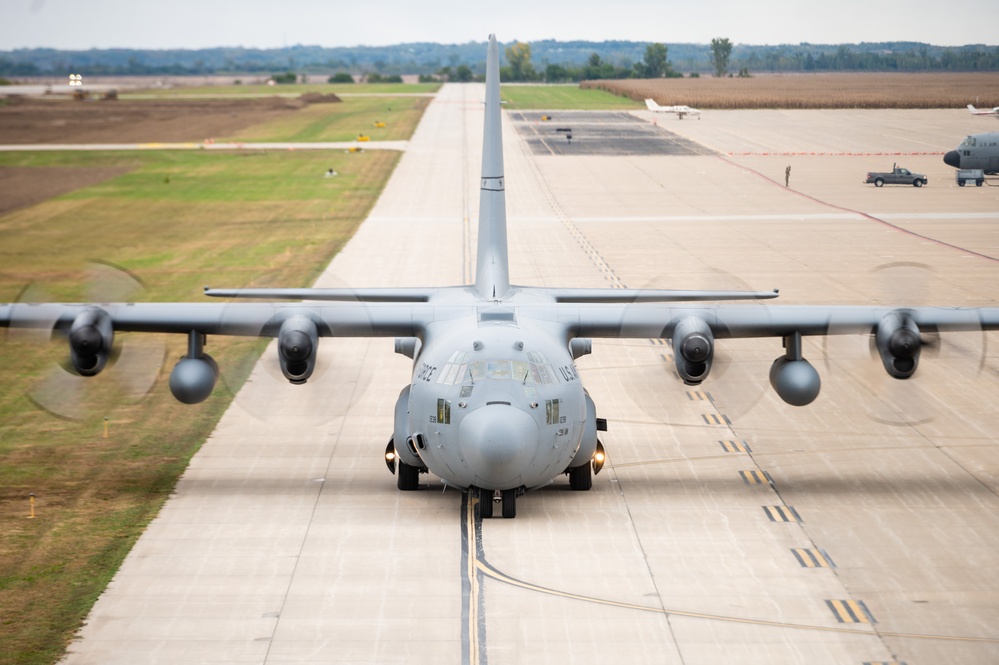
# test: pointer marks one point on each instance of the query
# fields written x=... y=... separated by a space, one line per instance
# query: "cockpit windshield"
x=969 y=142
x=459 y=370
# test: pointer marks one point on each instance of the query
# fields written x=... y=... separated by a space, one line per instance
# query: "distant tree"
x=340 y=77
x=518 y=55
x=287 y=77
x=463 y=74
x=721 y=49
x=382 y=78
x=594 y=68
x=655 y=64
x=557 y=74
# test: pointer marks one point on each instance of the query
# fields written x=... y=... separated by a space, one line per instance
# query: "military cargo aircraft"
x=978 y=151
x=495 y=403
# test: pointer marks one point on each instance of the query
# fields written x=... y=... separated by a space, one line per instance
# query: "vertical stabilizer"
x=492 y=270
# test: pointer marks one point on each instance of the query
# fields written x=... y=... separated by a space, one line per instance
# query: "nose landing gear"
x=507 y=499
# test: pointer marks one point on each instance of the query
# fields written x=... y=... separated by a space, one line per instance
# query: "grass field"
x=343 y=121
x=813 y=91
x=562 y=97
x=178 y=220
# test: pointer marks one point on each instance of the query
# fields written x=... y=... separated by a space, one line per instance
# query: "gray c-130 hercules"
x=495 y=403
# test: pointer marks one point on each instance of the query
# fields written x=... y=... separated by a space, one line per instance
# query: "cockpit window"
x=536 y=357
x=498 y=369
x=526 y=372
x=521 y=370
x=969 y=142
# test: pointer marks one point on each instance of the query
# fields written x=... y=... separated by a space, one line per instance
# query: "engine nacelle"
x=90 y=340
x=693 y=350
x=298 y=342
x=899 y=344
x=795 y=381
x=580 y=346
x=193 y=379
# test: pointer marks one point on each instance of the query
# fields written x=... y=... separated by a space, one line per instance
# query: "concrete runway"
x=727 y=527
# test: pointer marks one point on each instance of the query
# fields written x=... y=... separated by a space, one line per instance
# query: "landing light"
x=599 y=457
x=390 y=456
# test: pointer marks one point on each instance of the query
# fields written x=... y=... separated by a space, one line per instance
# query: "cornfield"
x=813 y=91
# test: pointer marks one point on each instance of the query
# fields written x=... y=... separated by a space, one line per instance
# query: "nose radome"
x=498 y=441
x=953 y=159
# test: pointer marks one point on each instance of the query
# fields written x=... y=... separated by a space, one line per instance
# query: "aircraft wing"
x=731 y=321
x=241 y=319
x=90 y=330
x=693 y=330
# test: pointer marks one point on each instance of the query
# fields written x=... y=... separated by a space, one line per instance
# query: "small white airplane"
x=994 y=112
x=680 y=111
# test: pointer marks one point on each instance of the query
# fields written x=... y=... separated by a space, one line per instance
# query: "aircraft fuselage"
x=495 y=402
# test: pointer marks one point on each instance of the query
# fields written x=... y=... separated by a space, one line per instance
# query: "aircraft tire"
x=509 y=503
x=485 y=504
x=580 y=477
x=407 y=477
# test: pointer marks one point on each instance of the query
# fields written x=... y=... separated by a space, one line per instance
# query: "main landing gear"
x=407 y=477
x=508 y=500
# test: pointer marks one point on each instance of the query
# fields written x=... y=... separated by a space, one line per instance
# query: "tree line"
x=550 y=60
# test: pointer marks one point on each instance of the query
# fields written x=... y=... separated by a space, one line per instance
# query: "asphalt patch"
x=600 y=133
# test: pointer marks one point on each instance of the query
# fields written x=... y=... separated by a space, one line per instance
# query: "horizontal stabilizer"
x=654 y=295
x=345 y=295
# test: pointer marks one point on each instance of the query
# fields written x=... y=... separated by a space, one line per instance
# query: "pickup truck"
x=897 y=176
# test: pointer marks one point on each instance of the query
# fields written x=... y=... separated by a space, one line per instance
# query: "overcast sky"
x=83 y=24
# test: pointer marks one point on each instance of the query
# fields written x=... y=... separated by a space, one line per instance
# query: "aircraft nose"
x=498 y=441
x=953 y=159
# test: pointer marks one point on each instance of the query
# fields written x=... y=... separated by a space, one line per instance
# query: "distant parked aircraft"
x=994 y=112
x=680 y=111
x=978 y=151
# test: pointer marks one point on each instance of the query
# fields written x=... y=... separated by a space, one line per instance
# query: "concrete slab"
x=287 y=541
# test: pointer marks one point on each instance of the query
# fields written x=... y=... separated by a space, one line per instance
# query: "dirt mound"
x=317 y=98
x=30 y=120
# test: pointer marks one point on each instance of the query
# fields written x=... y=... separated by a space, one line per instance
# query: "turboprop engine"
x=898 y=342
x=693 y=350
x=90 y=340
x=298 y=342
